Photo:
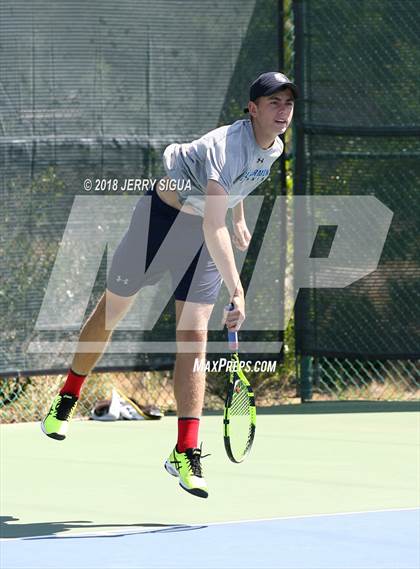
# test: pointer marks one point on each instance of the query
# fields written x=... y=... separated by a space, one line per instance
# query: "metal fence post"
x=305 y=379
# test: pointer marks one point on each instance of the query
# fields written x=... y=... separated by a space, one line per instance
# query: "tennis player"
x=223 y=166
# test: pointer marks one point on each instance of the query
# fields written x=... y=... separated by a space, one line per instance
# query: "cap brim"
x=282 y=87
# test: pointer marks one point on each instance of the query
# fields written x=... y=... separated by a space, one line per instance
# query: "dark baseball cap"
x=268 y=83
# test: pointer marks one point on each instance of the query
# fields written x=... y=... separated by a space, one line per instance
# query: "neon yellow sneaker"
x=187 y=467
x=56 y=422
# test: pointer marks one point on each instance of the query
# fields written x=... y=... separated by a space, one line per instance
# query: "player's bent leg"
x=189 y=385
x=98 y=330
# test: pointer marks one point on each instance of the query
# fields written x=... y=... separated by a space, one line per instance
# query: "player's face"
x=274 y=113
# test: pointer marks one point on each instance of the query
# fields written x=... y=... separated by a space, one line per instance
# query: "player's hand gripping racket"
x=239 y=417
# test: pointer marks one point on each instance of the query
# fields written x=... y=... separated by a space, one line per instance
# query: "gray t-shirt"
x=228 y=155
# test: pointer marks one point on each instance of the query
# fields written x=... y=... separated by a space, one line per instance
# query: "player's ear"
x=252 y=108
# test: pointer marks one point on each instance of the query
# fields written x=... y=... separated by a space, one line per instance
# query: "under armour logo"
x=120 y=279
x=260 y=160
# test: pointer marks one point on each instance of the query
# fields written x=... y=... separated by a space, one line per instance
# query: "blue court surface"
x=358 y=540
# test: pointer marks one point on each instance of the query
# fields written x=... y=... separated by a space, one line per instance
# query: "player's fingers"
x=234 y=323
x=233 y=319
x=246 y=238
x=233 y=314
x=236 y=241
x=229 y=316
x=243 y=240
x=240 y=243
x=234 y=327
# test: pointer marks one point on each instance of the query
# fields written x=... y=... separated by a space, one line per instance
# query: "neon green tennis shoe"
x=187 y=467
x=56 y=423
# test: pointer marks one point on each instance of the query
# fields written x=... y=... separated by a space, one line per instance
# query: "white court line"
x=304 y=516
x=196 y=525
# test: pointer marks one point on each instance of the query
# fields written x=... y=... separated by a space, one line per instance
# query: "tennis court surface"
x=318 y=490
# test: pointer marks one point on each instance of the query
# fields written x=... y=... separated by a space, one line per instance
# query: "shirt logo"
x=260 y=160
x=255 y=174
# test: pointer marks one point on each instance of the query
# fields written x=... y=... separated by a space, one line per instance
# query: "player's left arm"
x=241 y=235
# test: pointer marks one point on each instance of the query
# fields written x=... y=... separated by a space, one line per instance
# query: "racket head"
x=239 y=418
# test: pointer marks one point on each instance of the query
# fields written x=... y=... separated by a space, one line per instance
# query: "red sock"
x=187 y=433
x=73 y=383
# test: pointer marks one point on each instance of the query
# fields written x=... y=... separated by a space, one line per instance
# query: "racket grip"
x=233 y=341
x=232 y=336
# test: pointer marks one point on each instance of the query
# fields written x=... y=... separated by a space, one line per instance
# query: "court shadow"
x=49 y=530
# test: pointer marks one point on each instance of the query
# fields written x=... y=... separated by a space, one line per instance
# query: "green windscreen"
x=96 y=90
x=359 y=135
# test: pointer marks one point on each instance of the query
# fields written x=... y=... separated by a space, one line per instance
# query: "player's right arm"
x=219 y=245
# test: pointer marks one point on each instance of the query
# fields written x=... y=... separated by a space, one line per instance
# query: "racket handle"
x=232 y=336
x=233 y=341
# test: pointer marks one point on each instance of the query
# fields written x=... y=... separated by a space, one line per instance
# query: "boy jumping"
x=223 y=166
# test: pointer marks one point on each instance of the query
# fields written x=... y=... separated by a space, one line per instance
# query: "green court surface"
x=110 y=476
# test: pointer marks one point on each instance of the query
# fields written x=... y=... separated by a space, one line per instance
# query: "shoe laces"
x=64 y=407
x=194 y=456
x=54 y=407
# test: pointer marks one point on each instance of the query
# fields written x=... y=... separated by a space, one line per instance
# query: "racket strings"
x=241 y=431
x=240 y=400
x=239 y=417
x=241 y=437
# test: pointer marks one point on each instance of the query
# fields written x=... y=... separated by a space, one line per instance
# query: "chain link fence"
x=27 y=398
x=373 y=380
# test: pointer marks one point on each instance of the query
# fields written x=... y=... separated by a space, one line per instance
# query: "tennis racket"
x=239 y=417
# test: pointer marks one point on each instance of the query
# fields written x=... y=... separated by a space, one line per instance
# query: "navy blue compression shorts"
x=142 y=257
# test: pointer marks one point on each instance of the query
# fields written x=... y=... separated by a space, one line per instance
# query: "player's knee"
x=196 y=336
